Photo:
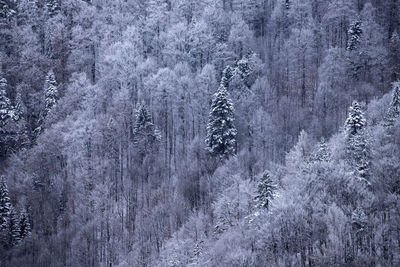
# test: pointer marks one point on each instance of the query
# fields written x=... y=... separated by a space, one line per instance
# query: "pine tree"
x=355 y=121
x=7 y=10
x=358 y=150
x=19 y=109
x=227 y=75
x=5 y=104
x=144 y=131
x=50 y=92
x=355 y=33
x=359 y=219
x=322 y=153
x=394 y=108
x=143 y=119
x=5 y=211
x=221 y=131
x=265 y=191
x=394 y=56
x=5 y=204
x=243 y=69
x=24 y=225
x=53 y=7
x=14 y=229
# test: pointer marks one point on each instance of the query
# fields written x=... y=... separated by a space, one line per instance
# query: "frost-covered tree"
x=50 y=92
x=227 y=75
x=5 y=211
x=7 y=9
x=221 y=130
x=52 y=7
x=5 y=204
x=13 y=229
x=358 y=149
x=394 y=108
x=265 y=191
x=24 y=225
x=355 y=121
x=355 y=33
x=19 y=107
x=322 y=152
x=5 y=104
x=144 y=131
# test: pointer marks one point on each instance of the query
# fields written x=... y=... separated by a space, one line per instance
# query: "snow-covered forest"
x=199 y=133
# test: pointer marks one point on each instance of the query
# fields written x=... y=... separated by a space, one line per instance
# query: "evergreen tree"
x=50 y=99
x=7 y=10
x=50 y=92
x=24 y=225
x=52 y=7
x=355 y=121
x=5 y=104
x=221 y=131
x=19 y=109
x=322 y=153
x=14 y=229
x=355 y=33
x=227 y=75
x=358 y=150
x=394 y=56
x=265 y=191
x=144 y=131
x=394 y=108
x=5 y=211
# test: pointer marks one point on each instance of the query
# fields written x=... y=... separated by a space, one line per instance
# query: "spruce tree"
x=5 y=212
x=50 y=92
x=52 y=7
x=355 y=33
x=355 y=121
x=322 y=153
x=394 y=108
x=265 y=191
x=24 y=225
x=5 y=205
x=221 y=130
x=19 y=109
x=13 y=229
x=50 y=99
x=5 y=104
x=7 y=10
x=144 y=131
x=227 y=75
x=358 y=150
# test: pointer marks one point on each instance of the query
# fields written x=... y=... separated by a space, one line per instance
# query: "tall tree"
x=265 y=191
x=358 y=150
x=221 y=130
x=24 y=225
x=394 y=108
x=5 y=211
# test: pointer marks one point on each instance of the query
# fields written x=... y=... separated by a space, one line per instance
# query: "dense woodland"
x=199 y=133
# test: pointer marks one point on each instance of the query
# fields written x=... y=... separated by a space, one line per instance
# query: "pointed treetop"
x=355 y=121
x=265 y=190
x=394 y=108
x=227 y=75
x=143 y=118
x=355 y=32
x=25 y=226
x=221 y=131
x=5 y=104
x=5 y=204
x=50 y=92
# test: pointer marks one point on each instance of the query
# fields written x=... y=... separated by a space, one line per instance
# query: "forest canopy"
x=199 y=133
